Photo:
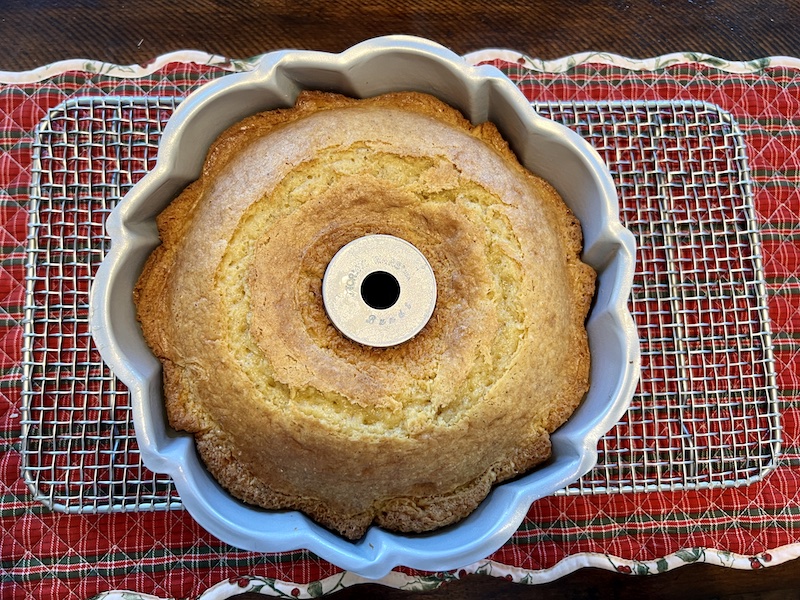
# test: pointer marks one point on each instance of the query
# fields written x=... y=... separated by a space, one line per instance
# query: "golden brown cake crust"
x=287 y=412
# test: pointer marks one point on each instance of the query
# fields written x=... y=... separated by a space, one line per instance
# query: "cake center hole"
x=380 y=290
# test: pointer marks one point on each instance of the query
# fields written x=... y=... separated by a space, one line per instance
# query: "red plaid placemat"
x=47 y=554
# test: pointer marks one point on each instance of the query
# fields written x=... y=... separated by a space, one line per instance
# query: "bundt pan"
x=395 y=63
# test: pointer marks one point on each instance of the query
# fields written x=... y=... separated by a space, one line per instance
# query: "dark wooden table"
x=37 y=32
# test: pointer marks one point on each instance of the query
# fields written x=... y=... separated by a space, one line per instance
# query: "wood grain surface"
x=37 y=32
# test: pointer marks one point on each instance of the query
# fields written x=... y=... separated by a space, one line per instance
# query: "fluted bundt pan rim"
x=393 y=63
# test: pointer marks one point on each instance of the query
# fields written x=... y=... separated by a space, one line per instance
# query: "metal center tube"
x=379 y=290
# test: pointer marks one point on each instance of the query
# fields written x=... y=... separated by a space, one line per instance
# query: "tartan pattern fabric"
x=53 y=555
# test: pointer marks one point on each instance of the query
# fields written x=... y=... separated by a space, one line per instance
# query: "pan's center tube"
x=379 y=290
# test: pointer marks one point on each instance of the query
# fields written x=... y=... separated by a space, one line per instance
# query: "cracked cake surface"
x=288 y=413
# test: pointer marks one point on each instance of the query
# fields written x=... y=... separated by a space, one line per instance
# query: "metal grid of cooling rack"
x=705 y=411
x=79 y=449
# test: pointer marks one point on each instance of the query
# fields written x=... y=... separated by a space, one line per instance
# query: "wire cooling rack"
x=705 y=411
